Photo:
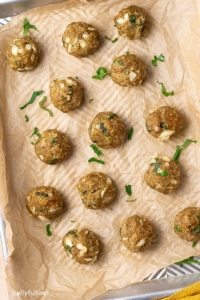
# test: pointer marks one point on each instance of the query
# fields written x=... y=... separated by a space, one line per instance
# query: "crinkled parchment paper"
x=38 y=262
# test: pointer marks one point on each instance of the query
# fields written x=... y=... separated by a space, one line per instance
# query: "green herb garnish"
x=67 y=247
x=179 y=149
x=128 y=189
x=42 y=107
x=96 y=160
x=120 y=62
x=112 y=116
x=130 y=134
x=157 y=58
x=194 y=244
x=163 y=173
x=35 y=131
x=53 y=162
x=72 y=221
x=73 y=232
x=164 y=92
x=91 y=100
x=133 y=200
x=103 y=128
x=139 y=24
x=76 y=77
x=157 y=165
x=197 y=230
x=33 y=97
x=114 y=25
x=178 y=228
x=27 y=26
x=49 y=233
x=187 y=261
x=54 y=141
x=96 y=150
x=132 y=19
x=113 y=41
x=127 y=52
x=32 y=143
x=101 y=73
x=163 y=125
x=26 y=118
x=41 y=194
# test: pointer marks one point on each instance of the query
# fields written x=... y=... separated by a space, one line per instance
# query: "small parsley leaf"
x=132 y=200
x=42 y=107
x=164 y=92
x=178 y=228
x=91 y=100
x=49 y=233
x=73 y=232
x=157 y=58
x=187 y=261
x=179 y=149
x=33 y=97
x=35 y=131
x=26 y=118
x=132 y=19
x=163 y=125
x=113 y=41
x=127 y=52
x=101 y=73
x=130 y=134
x=128 y=189
x=163 y=173
x=68 y=248
x=120 y=62
x=96 y=150
x=27 y=26
x=93 y=159
x=194 y=244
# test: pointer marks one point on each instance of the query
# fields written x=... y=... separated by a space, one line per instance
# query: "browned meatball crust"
x=163 y=175
x=107 y=130
x=82 y=245
x=130 y=22
x=187 y=224
x=22 y=54
x=66 y=94
x=137 y=233
x=164 y=122
x=52 y=146
x=96 y=190
x=128 y=70
x=44 y=203
x=80 y=39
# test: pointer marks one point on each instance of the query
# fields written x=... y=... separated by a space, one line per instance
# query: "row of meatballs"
x=96 y=191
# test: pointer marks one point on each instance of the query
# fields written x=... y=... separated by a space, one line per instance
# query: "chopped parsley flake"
x=112 y=116
x=164 y=92
x=35 y=131
x=194 y=244
x=27 y=26
x=76 y=77
x=187 y=261
x=157 y=58
x=163 y=125
x=26 y=118
x=120 y=62
x=101 y=73
x=67 y=247
x=197 y=230
x=178 y=228
x=91 y=100
x=33 y=97
x=53 y=162
x=163 y=173
x=113 y=41
x=42 y=107
x=157 y=165
x=41 y=194
x=179 y=149
x=72 y=221
x=73 y=232
x=128 y=189
x=130 y=134
x=127 y=52
x=93 y=159
x=103 y=128
x=96 y=150
x=133 y=200
x=49 y=233
x=132 y=19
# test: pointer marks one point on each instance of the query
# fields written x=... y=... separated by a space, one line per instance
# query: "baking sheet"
x=125 y=165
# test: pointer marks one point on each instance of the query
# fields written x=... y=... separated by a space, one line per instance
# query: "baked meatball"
x=164 y=122
x=107 y=130
x=187 y=224
x=66 y=94
x=128 y=70
x=44 y=203
x=52 y=146
x=96 y=190
x=130 y=22
x=137 y=233
x=82 y=245
x=80 y=39
x=163 y=175
x=22 y=54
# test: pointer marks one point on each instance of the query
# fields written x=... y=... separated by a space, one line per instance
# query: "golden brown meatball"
x=66 y=94
x=130 y=22
x=82 y=245
x=44 y=203
x=107 y=130
x=128 y=70
x=22 y=54
x=163 y=175
x=96 y=190
x=137 y=233
x=187 y=224
x=164 y=122
x=52 y=146
x=80 y=39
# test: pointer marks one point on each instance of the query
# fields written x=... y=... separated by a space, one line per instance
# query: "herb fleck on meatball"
x=23 y=54
x=82 y=245
x=44 y=203
x=128 y=70
x=80 y=39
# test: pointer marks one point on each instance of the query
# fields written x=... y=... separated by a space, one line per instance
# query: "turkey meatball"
x=82 y=245
x=130 y=22
x=52 y=146
x=128 y=70
x=66 y=94
x=187 y=224
x=107 y=130
x=137 y=233
x=44 y=203
x=163 y=175
x=164 y=122
x=96 y=190
x=22 y=54
x=80 y=39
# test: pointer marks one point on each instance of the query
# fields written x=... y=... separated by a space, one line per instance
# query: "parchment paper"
x=38 y=262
